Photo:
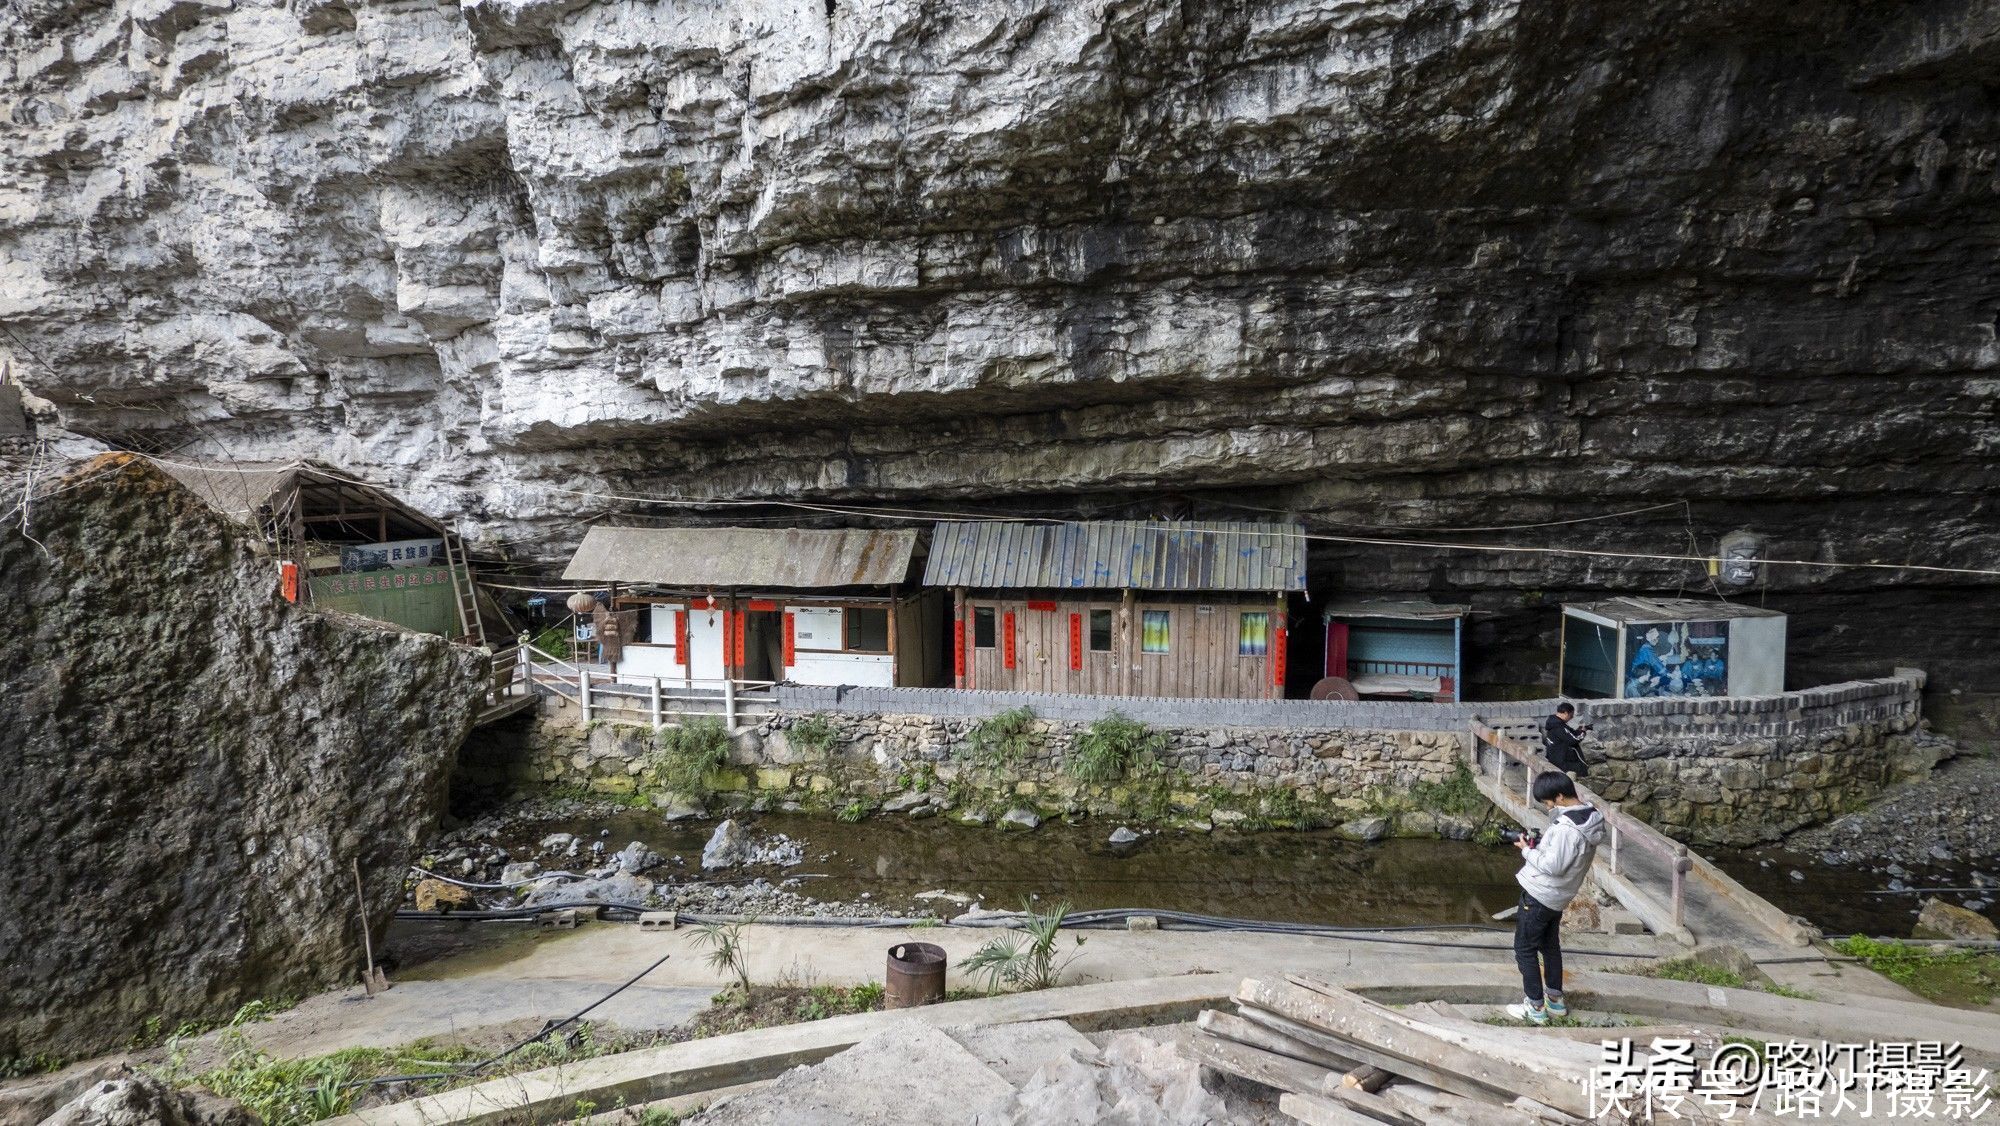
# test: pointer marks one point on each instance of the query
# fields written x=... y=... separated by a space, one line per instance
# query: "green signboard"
x=421 y=598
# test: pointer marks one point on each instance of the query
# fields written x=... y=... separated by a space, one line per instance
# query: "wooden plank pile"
x=1339 y=1059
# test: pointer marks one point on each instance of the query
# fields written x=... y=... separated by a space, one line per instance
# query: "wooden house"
x=344 y=545
x=1122 y=608
x=809 y=606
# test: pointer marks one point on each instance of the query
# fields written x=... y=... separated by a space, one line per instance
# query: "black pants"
x=1538 y=947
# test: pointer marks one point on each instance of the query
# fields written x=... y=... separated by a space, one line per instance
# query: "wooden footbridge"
x=1675 y=892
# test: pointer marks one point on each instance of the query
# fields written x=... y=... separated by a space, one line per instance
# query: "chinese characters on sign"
x=391 y=555
x=385 y=580
x=1885 y=1080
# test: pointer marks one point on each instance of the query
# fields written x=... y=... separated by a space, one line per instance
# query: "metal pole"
x=583 y=691
x=1614 y=837
x=656 y=700
x=729 y=703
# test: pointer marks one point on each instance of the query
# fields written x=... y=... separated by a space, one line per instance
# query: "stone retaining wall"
x=1710 y=771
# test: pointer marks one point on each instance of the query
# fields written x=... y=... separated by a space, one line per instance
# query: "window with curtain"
x=1156 y=628
x=1253 y=635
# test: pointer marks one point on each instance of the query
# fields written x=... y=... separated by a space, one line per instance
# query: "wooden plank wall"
x=1201 y=661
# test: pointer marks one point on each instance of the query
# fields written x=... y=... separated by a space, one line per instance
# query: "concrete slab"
x=414 y=1010
x=907 y=1073
x=1016 y=1051
x=655 y=1073
x=651 y=1074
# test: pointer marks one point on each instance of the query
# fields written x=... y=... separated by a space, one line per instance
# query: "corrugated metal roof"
x=1635 y=608
x=233 y=490
x=794 y=558
x=1404 y=609
x=1115 y=555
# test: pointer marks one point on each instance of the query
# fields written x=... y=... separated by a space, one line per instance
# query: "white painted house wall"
x=816 y=638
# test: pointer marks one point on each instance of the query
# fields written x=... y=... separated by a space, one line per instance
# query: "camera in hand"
x=1532 y=836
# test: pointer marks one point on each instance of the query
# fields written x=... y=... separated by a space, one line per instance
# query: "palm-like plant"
x=725 y=950
x=1026 y=958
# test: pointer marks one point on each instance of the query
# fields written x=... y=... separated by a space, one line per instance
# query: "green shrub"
x=1952 y=977
x=853 y=812
x=688 y=754
x=1113 y=747
x=814 y=733
x=556 y=641
x=1457 y=794
x=1025 y=958
x=1004 y=740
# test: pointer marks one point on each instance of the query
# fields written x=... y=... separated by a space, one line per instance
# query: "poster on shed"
x=1677 y=659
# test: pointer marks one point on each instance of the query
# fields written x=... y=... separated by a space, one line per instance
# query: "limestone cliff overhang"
x=1118 y=555
x=744 y=558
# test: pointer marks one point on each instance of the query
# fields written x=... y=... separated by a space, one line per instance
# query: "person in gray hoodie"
x=1552 y=870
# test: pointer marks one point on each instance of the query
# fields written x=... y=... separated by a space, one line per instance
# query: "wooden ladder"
x=471 y=630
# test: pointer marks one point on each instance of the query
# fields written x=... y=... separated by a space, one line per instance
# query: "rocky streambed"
x=786 y=864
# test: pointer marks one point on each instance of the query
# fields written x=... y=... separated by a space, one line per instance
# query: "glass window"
x=1100 y=631
x=867 y=630
x=982 y=627
x=1156 y=628
x=1253 y=635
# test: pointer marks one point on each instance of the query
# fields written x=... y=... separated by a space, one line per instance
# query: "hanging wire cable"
x=1321 y=537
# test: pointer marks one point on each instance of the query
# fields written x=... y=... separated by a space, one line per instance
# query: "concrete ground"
x=515 y=974
x=511 y=976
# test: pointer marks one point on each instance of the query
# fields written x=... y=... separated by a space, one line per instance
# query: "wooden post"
x=895 y=627
x=1681 y=865
x=1128 y=644
x=1613 y=819
x=583 y=693
x=959 y=665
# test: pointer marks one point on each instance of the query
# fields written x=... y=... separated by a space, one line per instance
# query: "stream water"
x=1311 y=877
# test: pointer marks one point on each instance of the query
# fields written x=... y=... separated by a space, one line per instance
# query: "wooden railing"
x=1678 y=863
x=601 y=694
x=1624 y=830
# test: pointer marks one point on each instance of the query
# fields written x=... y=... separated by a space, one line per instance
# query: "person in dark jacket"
x=1564 y=741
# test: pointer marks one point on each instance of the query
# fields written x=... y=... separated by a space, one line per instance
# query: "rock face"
x=190 y=766
x=1442 y=265
x=136 y=1099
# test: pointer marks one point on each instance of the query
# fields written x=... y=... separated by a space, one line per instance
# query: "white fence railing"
x=626 y=697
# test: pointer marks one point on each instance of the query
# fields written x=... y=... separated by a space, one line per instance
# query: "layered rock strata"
x=1422 y=265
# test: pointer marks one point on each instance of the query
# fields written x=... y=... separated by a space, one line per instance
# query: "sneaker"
x=1528 y=1011
x=1555 y=1007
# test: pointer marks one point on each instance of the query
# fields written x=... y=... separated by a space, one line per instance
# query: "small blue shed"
x=1397 y=648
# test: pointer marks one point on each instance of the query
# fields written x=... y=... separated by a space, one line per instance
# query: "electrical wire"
x=916 y=514
x=547 y=1030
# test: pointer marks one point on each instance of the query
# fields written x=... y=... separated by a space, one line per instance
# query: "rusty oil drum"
x=916 y=975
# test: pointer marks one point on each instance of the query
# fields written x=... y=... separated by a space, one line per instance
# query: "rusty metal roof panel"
x=1116 y=554
x=790 y=558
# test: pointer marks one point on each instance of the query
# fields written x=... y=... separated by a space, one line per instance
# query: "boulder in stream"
x=1943 y=920
x=727 y=847
x=1019 y=819
x=1124 y=836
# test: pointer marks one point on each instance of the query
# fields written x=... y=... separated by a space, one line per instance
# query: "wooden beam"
x=1318 y=1110
x=1229 y=1026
